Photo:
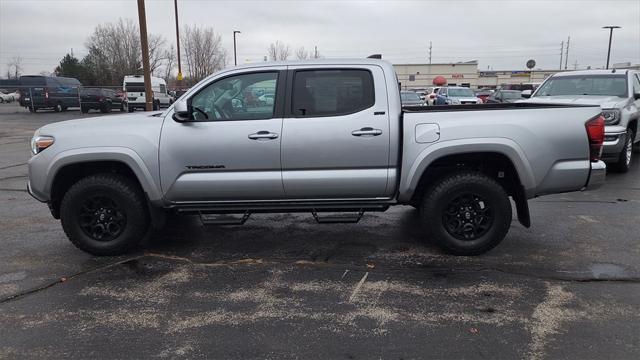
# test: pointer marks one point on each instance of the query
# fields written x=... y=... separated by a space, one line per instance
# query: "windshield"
x=461 y=93
x=511 y=94
x=409 y=96
x=602 y=85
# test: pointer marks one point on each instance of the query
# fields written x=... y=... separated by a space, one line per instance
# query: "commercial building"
x=418 y=76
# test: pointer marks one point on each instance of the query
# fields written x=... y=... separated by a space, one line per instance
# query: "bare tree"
x=157 y=53
x=278 y=51
x=202 y=51
x=169 y=62
x=114 y=51
x=14 y=67
x=302 y=53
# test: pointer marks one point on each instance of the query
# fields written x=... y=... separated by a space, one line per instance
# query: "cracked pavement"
x=282 y=286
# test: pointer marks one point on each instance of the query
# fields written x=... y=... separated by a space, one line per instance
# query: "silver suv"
x=618 y=94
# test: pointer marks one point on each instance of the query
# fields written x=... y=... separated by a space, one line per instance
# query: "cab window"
x=240 y=97
x=331 y=92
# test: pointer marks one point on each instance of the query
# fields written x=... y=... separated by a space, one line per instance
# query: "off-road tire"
x=84 y=110
x=437 y=202
x=105 y=108
x=626 y=155
x=128 y=198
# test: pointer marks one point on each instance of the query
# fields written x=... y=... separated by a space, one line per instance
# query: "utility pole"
x=610 y=27
x=315 y=52
x=142 y=18
x=575 y=65
x=179 y=77
x=566 y=57
x=561 y=51
x=235 y=56
x=430 y=46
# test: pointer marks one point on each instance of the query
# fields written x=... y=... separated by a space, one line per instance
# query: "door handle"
x=367 y=131
x=263 y=135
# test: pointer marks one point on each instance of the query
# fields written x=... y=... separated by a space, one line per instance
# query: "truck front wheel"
x=104 y=214
x=466 y=213
x=624 y=159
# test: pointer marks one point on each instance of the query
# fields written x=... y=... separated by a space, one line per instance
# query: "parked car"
x=7 y=98
x=267 y=99
x=104 y=100
x=335 y=139
x=456 y=95
x=410 y=98
x=432 y=95
x=520 y=87
x=47 y=92
x=504 y=96
x=484 y=94
x=133 y=85
x=617 y=92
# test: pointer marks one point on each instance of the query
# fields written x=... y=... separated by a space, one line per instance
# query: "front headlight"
x=611 y=116
x=40 y=142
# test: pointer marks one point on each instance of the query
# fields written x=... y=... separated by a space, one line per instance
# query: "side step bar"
x=333 y=219
x=222 y=219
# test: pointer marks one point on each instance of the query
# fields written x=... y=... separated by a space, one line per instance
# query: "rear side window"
x=331 y=92
x=163 y=88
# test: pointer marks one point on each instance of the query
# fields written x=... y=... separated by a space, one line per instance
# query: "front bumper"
x=614 y=141
x=597 y=175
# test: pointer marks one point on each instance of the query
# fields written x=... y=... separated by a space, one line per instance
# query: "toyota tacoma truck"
x=617 y=92
x=335 y=142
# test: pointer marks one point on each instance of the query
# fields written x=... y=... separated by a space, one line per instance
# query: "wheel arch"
x=67 y=168
x=491 y=161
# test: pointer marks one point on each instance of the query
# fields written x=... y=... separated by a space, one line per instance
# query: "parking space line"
x=354 y=293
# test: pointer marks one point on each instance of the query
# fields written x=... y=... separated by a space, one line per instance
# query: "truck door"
x=231 y=149
x=335 y=141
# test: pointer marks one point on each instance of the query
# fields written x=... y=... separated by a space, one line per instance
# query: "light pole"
x=144 y=44
x=179 y=77
x=610 y=27
x=235 y=58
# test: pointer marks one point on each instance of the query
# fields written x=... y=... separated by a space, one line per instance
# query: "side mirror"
x=526 y=93
x=181 y=111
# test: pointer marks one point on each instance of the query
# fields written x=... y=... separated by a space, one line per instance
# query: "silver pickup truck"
x=323 y=136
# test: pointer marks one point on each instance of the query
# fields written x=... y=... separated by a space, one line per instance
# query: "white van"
x=133 y=85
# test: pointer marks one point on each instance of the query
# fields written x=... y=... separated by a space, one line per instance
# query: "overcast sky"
x=499 y=34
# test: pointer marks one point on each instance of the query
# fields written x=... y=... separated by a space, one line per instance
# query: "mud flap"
x=522 y=206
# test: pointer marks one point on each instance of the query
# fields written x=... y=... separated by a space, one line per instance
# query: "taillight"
x=595 y=132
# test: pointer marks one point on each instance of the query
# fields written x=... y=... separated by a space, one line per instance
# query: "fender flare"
x=504 y=146
x=112 y=153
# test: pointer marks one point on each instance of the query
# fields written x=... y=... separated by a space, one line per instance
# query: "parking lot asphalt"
x=282 y=286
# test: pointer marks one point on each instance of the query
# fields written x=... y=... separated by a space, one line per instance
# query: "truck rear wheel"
x=466 y=213
x=104 y=214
